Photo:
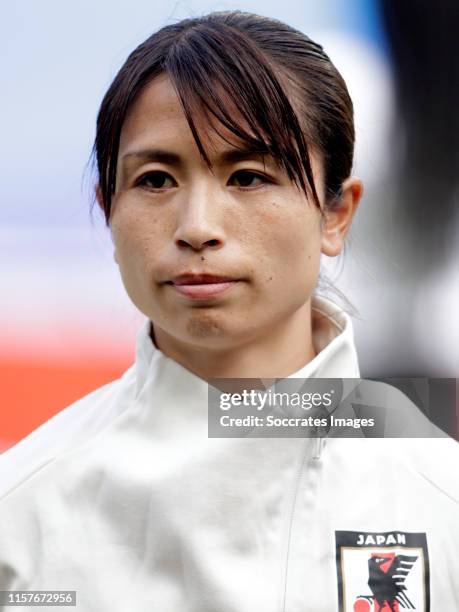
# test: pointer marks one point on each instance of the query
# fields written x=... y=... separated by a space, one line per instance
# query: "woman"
x=224 y=150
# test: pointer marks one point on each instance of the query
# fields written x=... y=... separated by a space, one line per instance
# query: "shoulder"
x=425 y=451
x=66 y=430
x=435 y=461
x=397 y=415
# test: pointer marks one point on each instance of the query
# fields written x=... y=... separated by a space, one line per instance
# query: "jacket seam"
x=292 y=505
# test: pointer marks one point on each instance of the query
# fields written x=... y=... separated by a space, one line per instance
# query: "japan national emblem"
x=382 y=572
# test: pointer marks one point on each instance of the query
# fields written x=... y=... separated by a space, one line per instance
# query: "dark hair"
x=228 y=60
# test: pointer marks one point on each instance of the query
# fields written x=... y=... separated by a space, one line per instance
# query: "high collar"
x=333 y=341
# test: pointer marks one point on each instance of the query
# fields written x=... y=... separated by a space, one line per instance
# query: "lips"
x=202 y=286
x=200 y=279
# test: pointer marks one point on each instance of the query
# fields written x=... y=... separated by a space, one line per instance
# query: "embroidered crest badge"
x=382 y=572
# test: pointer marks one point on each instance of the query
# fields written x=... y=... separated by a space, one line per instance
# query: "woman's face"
x=244 y=221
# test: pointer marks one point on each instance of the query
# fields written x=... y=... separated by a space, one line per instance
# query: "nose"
x=199 y=224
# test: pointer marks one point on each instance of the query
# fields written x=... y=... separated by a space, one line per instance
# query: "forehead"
x=157 y=115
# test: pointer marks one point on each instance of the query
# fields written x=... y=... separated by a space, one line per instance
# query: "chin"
x=206 y=330
x=203 y=327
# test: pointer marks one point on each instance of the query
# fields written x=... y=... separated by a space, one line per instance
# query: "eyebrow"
x=170 y=158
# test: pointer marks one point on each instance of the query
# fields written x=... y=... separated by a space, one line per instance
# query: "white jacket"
x=124 y=498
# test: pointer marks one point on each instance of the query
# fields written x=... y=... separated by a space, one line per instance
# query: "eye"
x=247 y=178
x=156 y=180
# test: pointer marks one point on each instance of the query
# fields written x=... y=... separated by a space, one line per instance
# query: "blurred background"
x=66 y=325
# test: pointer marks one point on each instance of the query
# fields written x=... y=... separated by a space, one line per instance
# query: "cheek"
x=137 y=242
x=134 y=239
x=289 y=244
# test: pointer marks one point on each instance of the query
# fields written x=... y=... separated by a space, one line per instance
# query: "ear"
x=337 y=221
x=100 y=201
x=99 y=197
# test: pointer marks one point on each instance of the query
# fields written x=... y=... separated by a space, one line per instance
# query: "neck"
x=275 y=353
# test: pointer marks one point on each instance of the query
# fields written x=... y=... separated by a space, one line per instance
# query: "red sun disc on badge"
x=362 y=605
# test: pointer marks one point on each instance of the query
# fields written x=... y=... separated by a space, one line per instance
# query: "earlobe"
x=338 y=220
x=99 y=197
x=100 y=201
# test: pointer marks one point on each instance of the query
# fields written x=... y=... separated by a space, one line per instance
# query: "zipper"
x=318 y=448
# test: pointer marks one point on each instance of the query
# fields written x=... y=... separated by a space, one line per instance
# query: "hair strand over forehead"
x=268 y=84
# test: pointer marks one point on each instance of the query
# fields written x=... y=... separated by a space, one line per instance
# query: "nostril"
x=210 y=243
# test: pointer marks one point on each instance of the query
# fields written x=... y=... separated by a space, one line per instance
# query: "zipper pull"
x=319 y=444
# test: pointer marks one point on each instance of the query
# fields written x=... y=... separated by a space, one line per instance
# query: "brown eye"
x=246 y=178
x=156 y=180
